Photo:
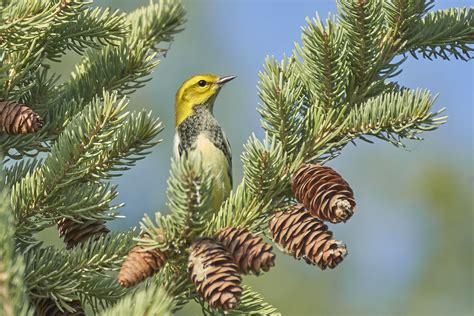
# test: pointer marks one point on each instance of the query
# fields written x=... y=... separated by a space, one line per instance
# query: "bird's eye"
x=202 y=83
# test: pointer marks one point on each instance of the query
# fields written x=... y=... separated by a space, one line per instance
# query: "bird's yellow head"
x=198 y=90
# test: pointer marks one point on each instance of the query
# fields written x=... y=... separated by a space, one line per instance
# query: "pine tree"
x=86 y=136
x=337 y=87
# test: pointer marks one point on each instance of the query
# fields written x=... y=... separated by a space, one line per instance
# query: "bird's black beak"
x=223 y=80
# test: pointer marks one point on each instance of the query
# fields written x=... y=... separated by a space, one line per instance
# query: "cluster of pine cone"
x=323 y=195
x=216 y=264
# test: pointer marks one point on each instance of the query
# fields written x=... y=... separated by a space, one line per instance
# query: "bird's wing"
x=176 y=146
x=228 y=153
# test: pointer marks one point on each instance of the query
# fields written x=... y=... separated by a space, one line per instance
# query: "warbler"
x=199 y=133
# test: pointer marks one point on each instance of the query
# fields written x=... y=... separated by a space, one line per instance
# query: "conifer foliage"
x=86 y=134
x=337 y=87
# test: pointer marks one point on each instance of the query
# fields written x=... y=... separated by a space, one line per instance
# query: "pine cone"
x=140 y=264
x=250 y=252
x=324 y=193
x=215 y=274
x=306 y=237
x=17 y=118
x=75 y=233
x=47 y=307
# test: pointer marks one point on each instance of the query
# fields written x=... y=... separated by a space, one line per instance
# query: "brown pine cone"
x=215 y=274
x=324 y=193
x=74 y=233
x=250 y=252
x=140 y=264
x=306 y=237
x=17 y=118
x=47 y=307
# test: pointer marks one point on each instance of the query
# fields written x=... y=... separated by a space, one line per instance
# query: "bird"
x=198 y=133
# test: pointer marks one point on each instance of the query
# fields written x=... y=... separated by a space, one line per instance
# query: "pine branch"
x=80 y=115
x=91 y=28
x=77 y=203
x=20 y=67
x=444 y=34
x=189 y=204
x=324 y=62
x=134 y=139
x=393 y=116
x=125 y=67
x=84 y=138
x=149 y=300
x=266 y=173
x=69 y=25
x=174 y=279
x=121 y=65
x=44 y=29
x=241 y=209
x=101 y=292
x=116 y=68
x=401 y=15
x=36 y=90
x=361 y=21
x=377 y=46
x=322 y=129
x=13 y=299
x=188 y=197
x=252 y=303
x=63 y=275
x=83 y=151
x=15 y=172
x=283 y=102
x=25 y=20
x=79 y=151
x=157 y=23
x=84 y=201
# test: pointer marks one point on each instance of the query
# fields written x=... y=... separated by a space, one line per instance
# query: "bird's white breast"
x=211 y=156
x=212 y=159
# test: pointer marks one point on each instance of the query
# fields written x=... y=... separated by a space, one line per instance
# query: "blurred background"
x=411 y=240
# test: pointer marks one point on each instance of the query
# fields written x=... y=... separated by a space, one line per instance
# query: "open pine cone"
x=215 y=274
x=17 y=118
x=250 y=252
x=324 y=193
x=306 y=237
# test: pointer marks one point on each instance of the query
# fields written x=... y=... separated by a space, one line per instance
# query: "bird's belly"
x=213 y=159
x=211 y=156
